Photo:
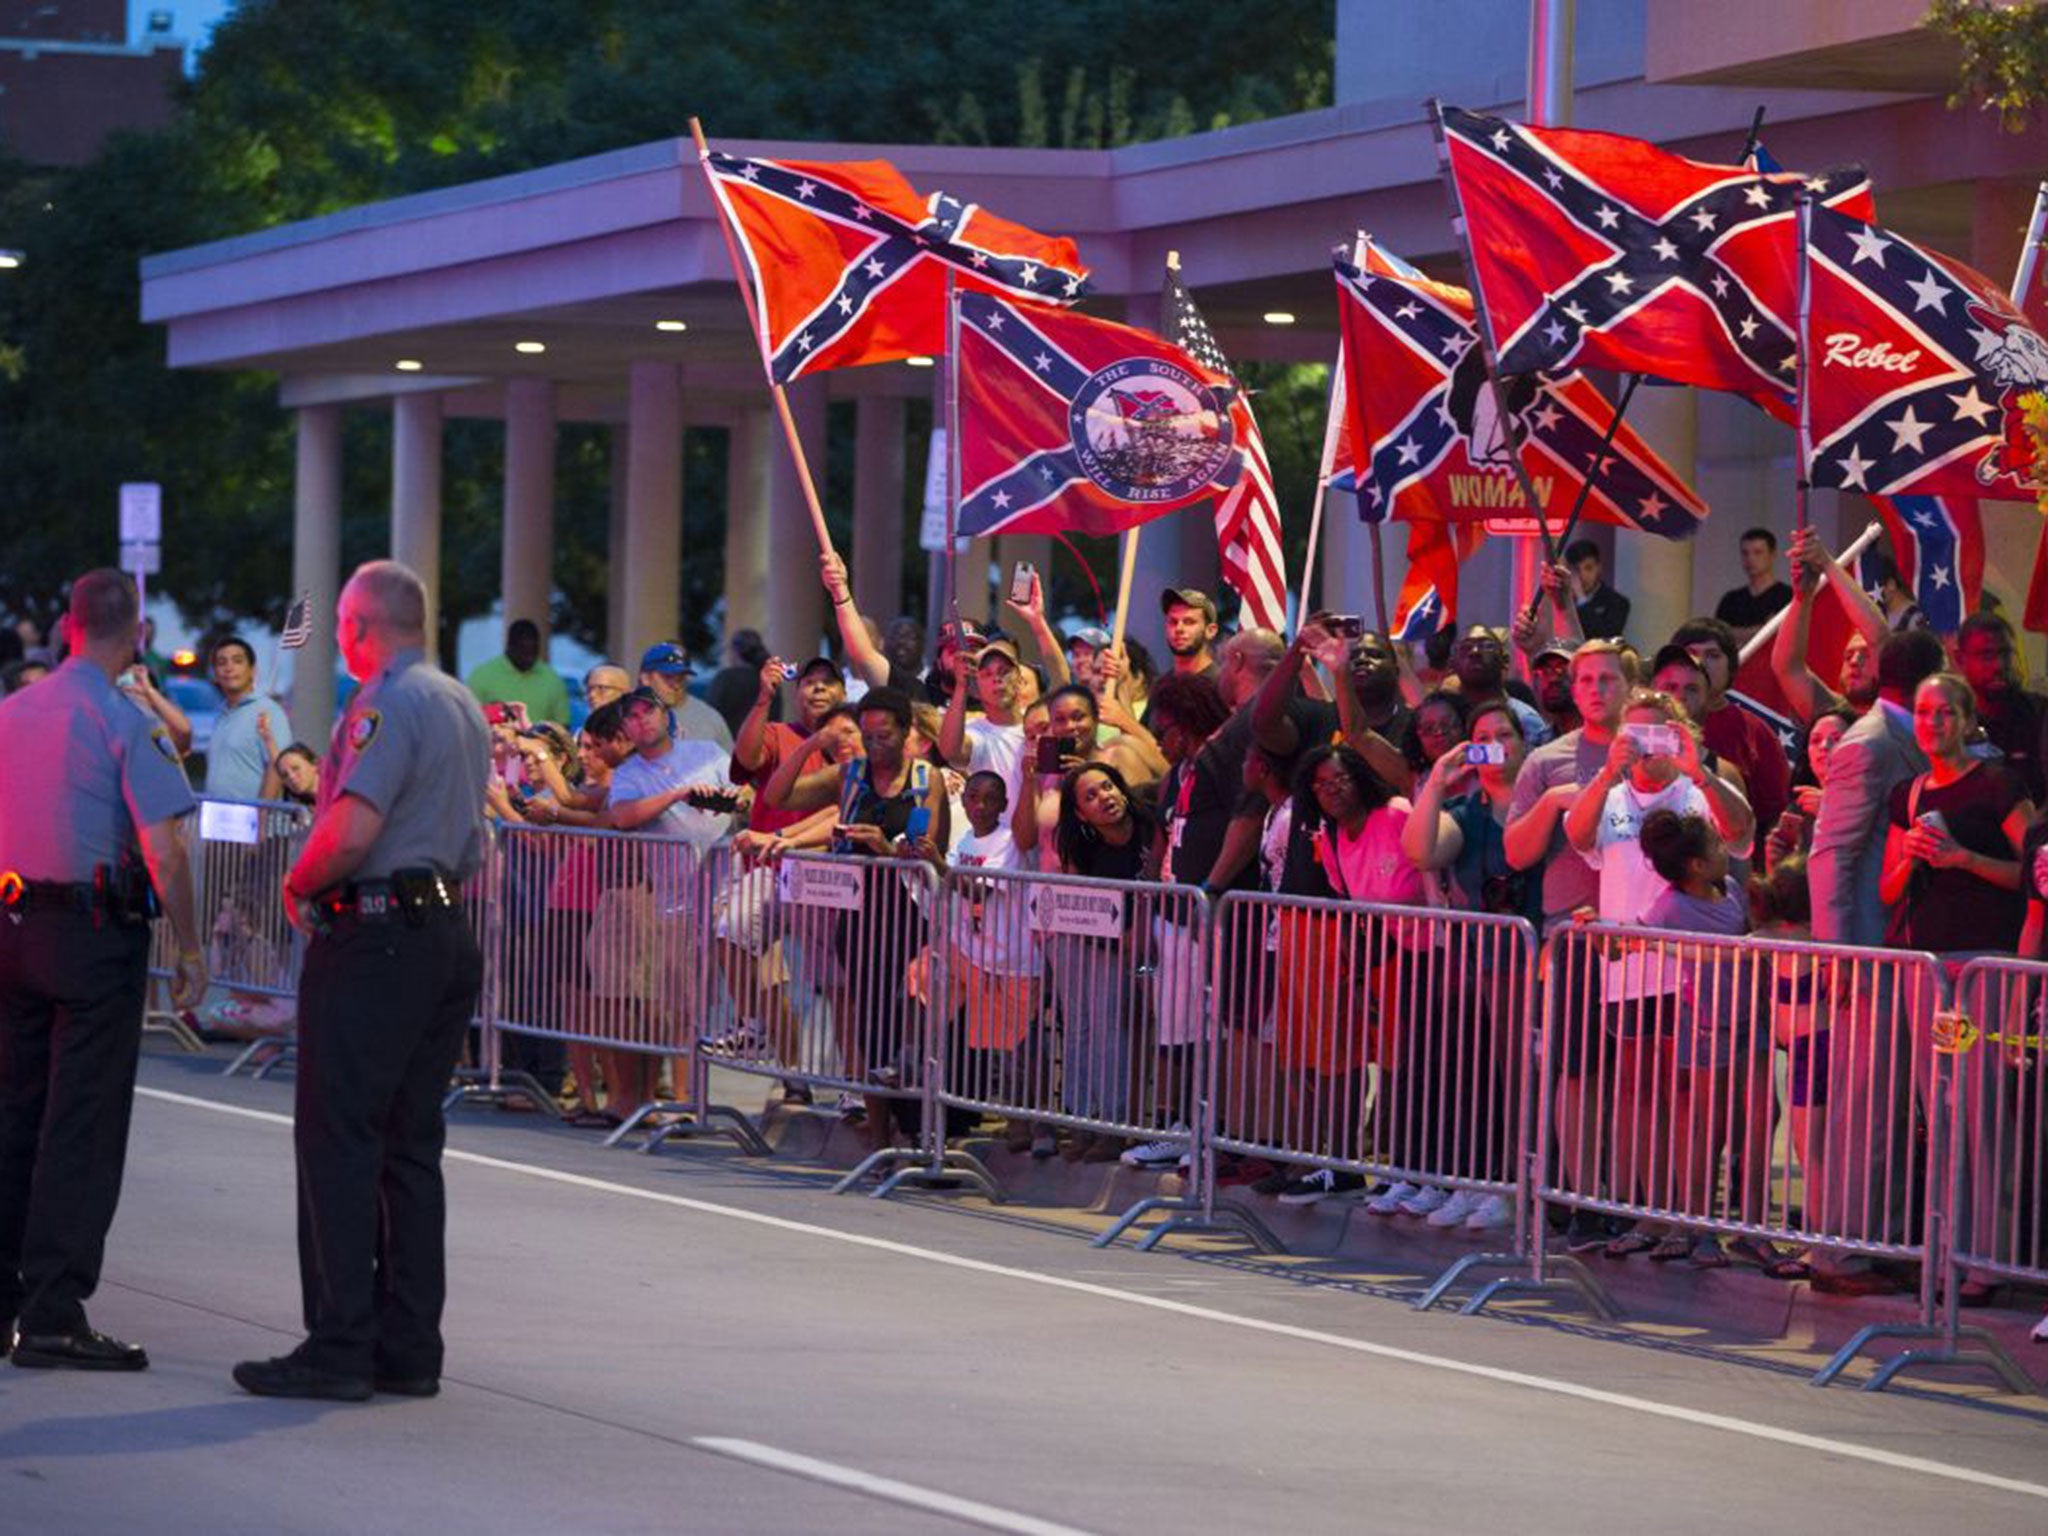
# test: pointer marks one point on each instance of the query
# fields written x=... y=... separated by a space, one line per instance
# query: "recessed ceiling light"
x=671 y=325
x=408 y=365
x=919 y=362
x=529 y=346
x=1278 y=317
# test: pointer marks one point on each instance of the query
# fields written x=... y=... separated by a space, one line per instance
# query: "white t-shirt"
x=1629 y=887
x=999 y=939
x=686 y=762
x=999 y=749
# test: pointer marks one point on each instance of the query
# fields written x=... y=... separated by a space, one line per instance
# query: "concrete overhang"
x=586 y=256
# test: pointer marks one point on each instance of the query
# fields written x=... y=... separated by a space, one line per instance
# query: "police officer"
x=94 y=817
x=390 y=981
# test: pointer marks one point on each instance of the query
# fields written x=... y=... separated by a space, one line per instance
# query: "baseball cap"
x=1565 y=648
x=641 y=696
x=1095 y=639
x=668 y=659
x=1189 y=597
x=1670 y=654
x=999 y=645
x=816 y=664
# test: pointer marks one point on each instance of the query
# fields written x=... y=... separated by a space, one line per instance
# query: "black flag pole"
x=1590 y=478
x=1510 y=428
x=1755 y=140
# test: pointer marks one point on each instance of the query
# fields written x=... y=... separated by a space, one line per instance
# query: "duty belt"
x=19 y=895
x=409 y=895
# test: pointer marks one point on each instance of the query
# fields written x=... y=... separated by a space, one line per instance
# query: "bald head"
x=1245 y=661
x=388 y=597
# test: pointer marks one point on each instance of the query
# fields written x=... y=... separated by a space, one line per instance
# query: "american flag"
x=1248 y=514
x=298 y=623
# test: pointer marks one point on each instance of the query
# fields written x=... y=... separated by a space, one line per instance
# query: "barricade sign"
x=1088 y=914
x=806 y=884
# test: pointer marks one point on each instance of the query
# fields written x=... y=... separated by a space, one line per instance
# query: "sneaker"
x=1273 y=1182
x=1491 y=1214
x=2040 y=1333
x=1044 y=1145
x=1388 y=1200
x=1163 y=1153
x=1425 y=1201
x=1319 y=1185
x=1454 y=1211
x=847 y=1107
x=747 y=1041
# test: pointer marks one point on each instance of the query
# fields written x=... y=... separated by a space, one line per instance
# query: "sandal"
x=1707 y=1252
x=1670 y=1249
x=1630 y=1243
x=1754 y=1250
x=594 y=1120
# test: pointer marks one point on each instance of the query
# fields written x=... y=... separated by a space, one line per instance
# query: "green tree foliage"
x=2005 y=55
x=304 y=107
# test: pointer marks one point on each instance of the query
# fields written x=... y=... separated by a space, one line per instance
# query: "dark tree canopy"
x=302 y=107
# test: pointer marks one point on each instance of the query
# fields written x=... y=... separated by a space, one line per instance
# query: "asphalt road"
x=697 y=1343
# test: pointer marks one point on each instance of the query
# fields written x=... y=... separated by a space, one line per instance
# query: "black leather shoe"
x=409 y=1386
x=80 y=1351
x=289 y=1376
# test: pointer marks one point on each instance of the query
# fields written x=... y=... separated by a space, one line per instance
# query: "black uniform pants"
x=382 y=1012
x=71 y=999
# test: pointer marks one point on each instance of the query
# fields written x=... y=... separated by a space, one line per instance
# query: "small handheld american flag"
x=1248 y=514
x=298 y=623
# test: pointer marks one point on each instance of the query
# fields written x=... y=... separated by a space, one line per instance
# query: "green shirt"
x=542 y=690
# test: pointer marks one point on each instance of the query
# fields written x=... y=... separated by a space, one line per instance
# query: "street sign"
x=142 y=559
x=142 y=513
x=931 y=528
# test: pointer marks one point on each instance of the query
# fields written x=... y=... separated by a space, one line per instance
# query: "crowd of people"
x=1528 y=771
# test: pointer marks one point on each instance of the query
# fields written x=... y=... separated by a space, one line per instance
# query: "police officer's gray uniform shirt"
x=85 y=769
x=413 y=745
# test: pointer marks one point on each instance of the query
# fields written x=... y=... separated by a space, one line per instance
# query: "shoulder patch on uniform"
x=161 y=740
x=363 y=730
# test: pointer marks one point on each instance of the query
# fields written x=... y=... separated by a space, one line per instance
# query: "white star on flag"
x=1854 y=467
x=1608 y=217
x=1620 y=282
x=1929 y=293
x=807 y=189
x=1870 y=246
x=1703 y=219
x=1665 y=250
x=1939 y=577
x=1907 y=432
x=1410 y=450
x=1971 y=406
x=1028 y=274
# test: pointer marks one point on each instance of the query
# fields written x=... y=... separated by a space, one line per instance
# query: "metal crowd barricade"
x=1062 y=1001
x=241 y=851
x=1997 y=1189
x=598 y=939
x=821 y=967
x=1659 y=1100
x=1384 y=1042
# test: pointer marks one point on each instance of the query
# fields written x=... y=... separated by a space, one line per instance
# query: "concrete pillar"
x=796 y=599
x=615 y=641
x=416 y=495
x=1656 y=575
x=529 y=547
x=651 y=579
x=1999 y=211
x=754 y=442
x=876 y=559
x=316 y=567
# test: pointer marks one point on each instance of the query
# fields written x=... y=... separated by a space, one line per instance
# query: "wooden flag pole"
x=739 y=270
x=1803 y=485
x=952 y=363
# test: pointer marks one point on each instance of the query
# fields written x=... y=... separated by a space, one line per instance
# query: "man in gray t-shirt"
x=252 y=728
x=1552 y=776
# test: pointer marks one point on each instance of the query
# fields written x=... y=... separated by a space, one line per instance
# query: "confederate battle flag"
x=1596 y=251
x=1427 y=442
x=848 y=265
x=1070 y=424
x=1916 y=369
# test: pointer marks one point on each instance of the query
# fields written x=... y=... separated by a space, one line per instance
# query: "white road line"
x=1552 y=1385
x=970 y=1510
